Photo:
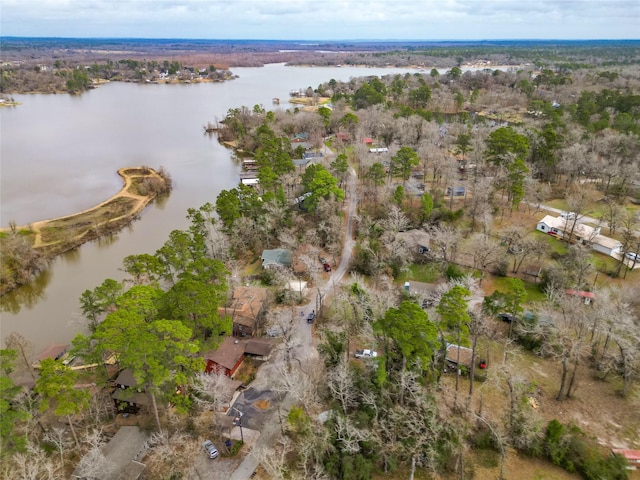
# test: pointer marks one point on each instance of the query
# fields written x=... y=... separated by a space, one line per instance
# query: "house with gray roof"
x=277 y=258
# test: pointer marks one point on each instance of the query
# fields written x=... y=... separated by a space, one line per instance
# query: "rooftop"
x=278 y=256
x=465 y=355
x=227 y=354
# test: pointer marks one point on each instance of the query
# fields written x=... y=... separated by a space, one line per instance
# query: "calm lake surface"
x=59 y=155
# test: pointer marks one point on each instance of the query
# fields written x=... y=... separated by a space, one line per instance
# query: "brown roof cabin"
x=55 y=351
x=226 y=359
x=245 y=308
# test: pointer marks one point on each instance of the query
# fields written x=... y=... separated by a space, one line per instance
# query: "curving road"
x=301 y=342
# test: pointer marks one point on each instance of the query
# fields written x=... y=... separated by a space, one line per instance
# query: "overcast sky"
x=324 y=19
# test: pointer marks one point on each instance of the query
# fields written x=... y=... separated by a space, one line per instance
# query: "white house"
x=552 y=226
x=584 y=234
x=606 y=245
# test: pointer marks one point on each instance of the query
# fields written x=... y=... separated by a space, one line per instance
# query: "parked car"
x=327 y=267
x=633 y=256
x=506 y=317
x=311 y=317
x=323 y=260
x=275 y=331
x=568 y=215
x=210 y=448
x=366 y=354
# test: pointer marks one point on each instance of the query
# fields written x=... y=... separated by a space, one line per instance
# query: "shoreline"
x=55 y=236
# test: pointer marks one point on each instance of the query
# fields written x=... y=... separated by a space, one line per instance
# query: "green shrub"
x=485 y=440
x=454 y=272
x=568 y=447
x=235 y=448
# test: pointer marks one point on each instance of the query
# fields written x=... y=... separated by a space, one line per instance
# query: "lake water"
x=59 y=154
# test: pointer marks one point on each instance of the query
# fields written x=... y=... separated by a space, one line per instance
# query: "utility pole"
x=238 y=421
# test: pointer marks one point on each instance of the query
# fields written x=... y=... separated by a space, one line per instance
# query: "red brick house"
x=226 y=359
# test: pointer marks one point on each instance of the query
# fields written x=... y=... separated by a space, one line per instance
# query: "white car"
x=366 y=354
x=568 y=215
x=211 y=449
x=632 y=256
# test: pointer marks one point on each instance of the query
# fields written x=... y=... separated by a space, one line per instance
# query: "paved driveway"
x=256 y=406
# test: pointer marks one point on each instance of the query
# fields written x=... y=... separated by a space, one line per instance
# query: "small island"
x=48 y=238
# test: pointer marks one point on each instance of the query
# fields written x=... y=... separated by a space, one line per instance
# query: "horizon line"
x=356 y=40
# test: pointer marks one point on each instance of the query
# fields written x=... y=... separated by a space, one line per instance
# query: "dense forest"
x=469 y=165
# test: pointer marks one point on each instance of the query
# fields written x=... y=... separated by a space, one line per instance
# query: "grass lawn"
x=253 y=267
x=556 y=246
x=559 y=203
x=595 y=209
x=427 y=273
x=534 y=294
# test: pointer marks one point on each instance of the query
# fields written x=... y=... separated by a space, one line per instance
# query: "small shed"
x=587 y=296
x=458 y=356
x=632 y=457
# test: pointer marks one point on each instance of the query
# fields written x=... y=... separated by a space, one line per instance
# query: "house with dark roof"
x=417 y=240
x=258 y=349
x=303 y=162
x=128 y=397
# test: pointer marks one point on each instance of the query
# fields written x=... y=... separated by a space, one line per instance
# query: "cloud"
x=328 y=19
